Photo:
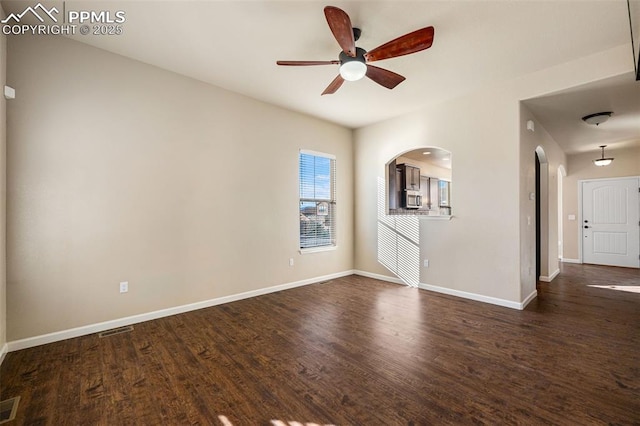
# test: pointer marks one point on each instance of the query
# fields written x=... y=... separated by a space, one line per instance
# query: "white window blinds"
x=317 y=200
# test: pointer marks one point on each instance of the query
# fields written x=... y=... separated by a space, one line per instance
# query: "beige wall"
x=479 y=251
x=552 y=157
x=471 y=252
x=120 y=171
x=3 y=195
x=580 y=167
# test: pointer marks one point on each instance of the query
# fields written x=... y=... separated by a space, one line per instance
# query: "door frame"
x=538 y=218
x=580 y=186
x=561 y=175
x=542 y=218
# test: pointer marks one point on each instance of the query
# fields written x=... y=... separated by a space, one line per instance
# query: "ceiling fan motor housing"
x=344 y=58
x=356 y=33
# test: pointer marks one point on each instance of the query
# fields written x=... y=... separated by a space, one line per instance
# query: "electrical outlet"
x=124 y=286
x=426 y=263
x=291 y=261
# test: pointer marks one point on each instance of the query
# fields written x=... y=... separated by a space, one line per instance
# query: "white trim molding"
x=317 y=249
x=380 y=277
x=134 y=319
x=457 y=293
x=529 y=298
x=434 y=217
x=3 y=352
x=550 y=277
x=566 y=260
x=480 y=297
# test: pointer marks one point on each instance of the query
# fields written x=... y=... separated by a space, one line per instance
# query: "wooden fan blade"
x=409 y=43
x=303 y=63
x=386 y=78
x=334 y=85
x=340 y=26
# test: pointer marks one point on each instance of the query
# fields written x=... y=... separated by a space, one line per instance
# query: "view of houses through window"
x=317 y=200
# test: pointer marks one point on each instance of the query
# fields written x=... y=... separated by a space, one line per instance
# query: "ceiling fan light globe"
x=353 y=70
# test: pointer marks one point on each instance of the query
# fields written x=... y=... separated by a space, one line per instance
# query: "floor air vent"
x=8 y=409
x=118 y=330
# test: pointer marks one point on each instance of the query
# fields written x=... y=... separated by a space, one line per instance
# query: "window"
x=317 y=200
x=443 y=187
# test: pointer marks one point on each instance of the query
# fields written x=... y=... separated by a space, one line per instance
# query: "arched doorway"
x=542 y=212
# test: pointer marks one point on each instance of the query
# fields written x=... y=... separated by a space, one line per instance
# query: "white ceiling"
x=235 y=45
x=436 y=156
x=561 y=115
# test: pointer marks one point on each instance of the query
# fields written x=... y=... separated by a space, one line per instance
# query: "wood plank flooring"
x=353 y=351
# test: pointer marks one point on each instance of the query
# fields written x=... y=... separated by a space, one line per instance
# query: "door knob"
x=587 y=226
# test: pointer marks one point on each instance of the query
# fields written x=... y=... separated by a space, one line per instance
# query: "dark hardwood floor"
x=353 y=351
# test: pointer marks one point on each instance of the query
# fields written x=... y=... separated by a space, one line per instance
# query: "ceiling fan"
x=354 y=60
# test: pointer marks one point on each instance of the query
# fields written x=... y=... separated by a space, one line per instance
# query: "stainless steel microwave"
x=412 y=199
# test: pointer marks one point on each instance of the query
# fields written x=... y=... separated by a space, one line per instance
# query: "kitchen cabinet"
x=394 y=181
x=410 y=184
x=410 y=177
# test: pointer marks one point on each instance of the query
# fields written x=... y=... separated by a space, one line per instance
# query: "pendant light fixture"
x=603 y=161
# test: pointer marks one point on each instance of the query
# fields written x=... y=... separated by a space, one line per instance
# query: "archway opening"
x=419 y=182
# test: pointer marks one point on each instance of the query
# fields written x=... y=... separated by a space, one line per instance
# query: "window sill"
x=317 y=249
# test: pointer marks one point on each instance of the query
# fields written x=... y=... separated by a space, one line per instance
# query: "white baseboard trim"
x=473 y=296
x=549 y=278
x=529 y=298
x=565 y=260
x=57 y=336
x=452 y=292
x=3 y=352
x=394 y=280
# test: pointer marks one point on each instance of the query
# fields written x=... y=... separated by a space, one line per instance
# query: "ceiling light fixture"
x=353 y=68
x=603 y=161
x=597 y=118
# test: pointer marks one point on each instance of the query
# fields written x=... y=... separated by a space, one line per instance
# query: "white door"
x=611 y=222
